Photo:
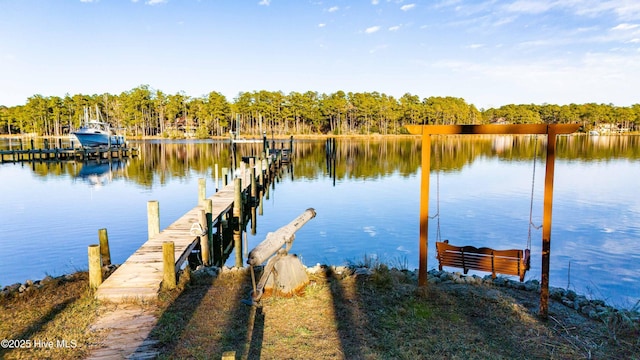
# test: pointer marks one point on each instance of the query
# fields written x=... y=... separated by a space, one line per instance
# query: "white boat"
x=94 y=132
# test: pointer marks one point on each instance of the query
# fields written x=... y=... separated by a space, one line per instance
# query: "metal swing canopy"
x=551 y=131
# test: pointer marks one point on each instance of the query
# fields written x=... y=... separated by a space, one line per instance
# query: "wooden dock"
x=140 y=277
x=58 y=154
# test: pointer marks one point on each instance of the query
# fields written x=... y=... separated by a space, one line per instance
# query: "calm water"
x=367 y=204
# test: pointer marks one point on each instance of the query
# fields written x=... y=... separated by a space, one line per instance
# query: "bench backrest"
x=508 y=262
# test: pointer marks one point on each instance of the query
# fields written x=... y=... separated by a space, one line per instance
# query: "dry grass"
x=383 y=316
x=50 y=322
x=339 y=316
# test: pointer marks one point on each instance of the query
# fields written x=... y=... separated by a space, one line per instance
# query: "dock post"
x=95 y=266
x=153 y=218
x=254 y=186
x=208 y=209
x=225 y=176
x=204 y=238
x=215 y=177
x=260 y=174
x=168 y=265
x=104 y=247
x=202 y=190
x=237 y=216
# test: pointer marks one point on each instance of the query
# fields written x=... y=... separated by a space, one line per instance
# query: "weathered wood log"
x=276 y=240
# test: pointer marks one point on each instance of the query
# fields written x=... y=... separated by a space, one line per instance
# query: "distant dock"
x=60 y=154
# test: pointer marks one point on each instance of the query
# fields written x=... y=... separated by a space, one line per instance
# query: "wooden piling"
x=215 y=177
x=225 y=176
x=168 y=265
x=229 y=355
x=95 y=266
x=237 y=215
x=260 y=174
x=204 y=239
x=153 y=218
x=202 y=190
x=208 y=209
x=104 y=247
x=254 y=185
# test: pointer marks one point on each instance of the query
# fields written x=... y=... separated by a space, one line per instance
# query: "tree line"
x=143 y=111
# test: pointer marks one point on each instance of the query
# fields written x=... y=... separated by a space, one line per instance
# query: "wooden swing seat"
x=508 y=262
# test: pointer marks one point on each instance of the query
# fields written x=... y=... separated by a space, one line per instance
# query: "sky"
x=490 y=53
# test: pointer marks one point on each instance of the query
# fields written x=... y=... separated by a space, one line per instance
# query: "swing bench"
x=508 y=262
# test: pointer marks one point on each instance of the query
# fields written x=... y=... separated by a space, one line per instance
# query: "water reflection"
x=368 y=158
x=367 y=198
x=99 y=173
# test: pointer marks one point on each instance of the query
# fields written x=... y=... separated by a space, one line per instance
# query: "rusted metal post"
x=546 y=221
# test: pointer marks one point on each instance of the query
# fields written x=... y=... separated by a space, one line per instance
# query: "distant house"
x=500 y=121
x=607 y=128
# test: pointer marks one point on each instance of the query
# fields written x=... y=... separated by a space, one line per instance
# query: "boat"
x=95 y=132
x=594 y=133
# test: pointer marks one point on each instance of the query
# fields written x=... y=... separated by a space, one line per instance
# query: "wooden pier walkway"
x=140 y=276
x=19 y=155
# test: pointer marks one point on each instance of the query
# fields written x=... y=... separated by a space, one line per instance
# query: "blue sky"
x=490 y=53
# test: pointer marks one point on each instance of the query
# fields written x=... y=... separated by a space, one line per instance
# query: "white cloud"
x=371 y=30
x=88 y=1
x=407 y=7
x=394 y=28
x=475 y=46
x=333 y=9
x=625 y=27
x=375 y=2
x=156 y=2
x=322 y=25
x=265 y=2
x=378 y=48
x=530 y=6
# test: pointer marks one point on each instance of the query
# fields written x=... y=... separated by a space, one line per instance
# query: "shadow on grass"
x=38 y=324
x=192 y=325
x=347 y=310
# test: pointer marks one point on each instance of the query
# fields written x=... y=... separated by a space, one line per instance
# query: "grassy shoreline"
x=345 y=313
